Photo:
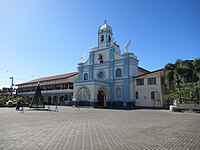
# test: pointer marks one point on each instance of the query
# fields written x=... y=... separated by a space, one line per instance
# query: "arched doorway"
x=55 y=100
x=101 y=98
x=61 y=100
x=49 y=100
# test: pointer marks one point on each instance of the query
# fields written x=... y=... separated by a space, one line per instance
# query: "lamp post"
x=11 y=87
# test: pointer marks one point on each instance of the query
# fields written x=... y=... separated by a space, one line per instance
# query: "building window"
x=102 y=38
x=152 y=95
x=152 y=81
x=109 y=38
x=140 y=82
x=136 y=95
x=85 y=76
x=118 y=72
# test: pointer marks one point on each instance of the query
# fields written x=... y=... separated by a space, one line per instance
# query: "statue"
x=126 y=45
x=100 y=58
x=82 y=57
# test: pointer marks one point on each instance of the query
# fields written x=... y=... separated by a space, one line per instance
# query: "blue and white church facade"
x=106 y=78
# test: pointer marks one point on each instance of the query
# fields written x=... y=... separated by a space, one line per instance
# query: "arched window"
x=118 y=72
x=85 y=76
x=109 y=38
x=102 y=38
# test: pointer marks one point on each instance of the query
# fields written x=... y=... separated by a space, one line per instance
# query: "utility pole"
x=11 y=87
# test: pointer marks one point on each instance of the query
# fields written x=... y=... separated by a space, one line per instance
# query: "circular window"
x=100 y=74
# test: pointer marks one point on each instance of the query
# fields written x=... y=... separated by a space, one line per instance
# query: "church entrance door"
x=101 y=98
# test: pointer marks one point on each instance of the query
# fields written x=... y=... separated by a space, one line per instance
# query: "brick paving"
x=98 y=129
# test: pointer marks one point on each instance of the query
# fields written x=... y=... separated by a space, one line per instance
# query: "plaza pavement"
x=98 y=129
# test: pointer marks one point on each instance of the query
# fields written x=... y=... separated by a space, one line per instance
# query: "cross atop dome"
x=104 y=27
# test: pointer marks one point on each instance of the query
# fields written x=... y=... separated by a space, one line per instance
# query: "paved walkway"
x=98 y=129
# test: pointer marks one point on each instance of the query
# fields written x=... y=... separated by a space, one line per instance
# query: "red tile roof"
x=143 y=70
x=148 y=73
x=55 y=77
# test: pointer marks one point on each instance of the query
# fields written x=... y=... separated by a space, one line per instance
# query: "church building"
x=106 y=79
x=109 y=79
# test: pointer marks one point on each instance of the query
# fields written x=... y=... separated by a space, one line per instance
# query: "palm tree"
x=196 y=64
x=169 y=75
x=178 y=73
x=173 y=74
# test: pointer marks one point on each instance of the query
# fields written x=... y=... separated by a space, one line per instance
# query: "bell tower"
x=105 y=36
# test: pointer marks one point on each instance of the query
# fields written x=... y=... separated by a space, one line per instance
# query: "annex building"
x=108 y=78
x=55 y=89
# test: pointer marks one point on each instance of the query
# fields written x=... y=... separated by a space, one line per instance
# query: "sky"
x=40 y=38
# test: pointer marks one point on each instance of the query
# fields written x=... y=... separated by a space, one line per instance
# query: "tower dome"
x=105 y=27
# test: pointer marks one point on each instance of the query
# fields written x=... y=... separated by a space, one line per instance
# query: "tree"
x=169 y=75
x=177 y=76
x=4 y=99
x=37 y=101
x=196 y=64
x=173 y=73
